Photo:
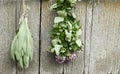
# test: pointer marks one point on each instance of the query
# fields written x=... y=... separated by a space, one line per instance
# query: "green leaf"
x=20 y=63
x=67 y=53
x=68 y=35
x=56 y=49
x=58 y=19
x=53 y=6
x=73 y=14
x=31 y=51
x=24 y=48
x=55 y=25
x=79 y=32
x=72 y=1
x=70 y=25
x=26 y=61
x=13 y=48
x=18 y=55
x=62 y=13
x=55 y=41
x=79 y=43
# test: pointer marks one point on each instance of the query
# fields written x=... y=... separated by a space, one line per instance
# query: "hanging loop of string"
x=25 y=8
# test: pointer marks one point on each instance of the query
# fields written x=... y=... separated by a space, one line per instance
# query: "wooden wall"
x=100 y=21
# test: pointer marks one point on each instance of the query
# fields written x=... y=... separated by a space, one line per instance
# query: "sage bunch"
x=22 y=44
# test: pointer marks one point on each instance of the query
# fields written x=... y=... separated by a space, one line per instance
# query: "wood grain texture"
x=78 y=65
x=100 y=20
x=7 y=31
x=87 y=44
x=104 y=38
x=34 y=23
x=47 y=63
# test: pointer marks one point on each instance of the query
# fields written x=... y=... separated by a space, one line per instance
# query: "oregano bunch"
x=22 y=45
x=66 y=31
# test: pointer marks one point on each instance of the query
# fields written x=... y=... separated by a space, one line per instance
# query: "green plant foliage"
x=22 y=45
x=66 y=30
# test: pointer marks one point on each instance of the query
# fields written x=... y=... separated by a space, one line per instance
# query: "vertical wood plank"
x=78 y=65
x=87 y=43
x=7 y=31
x=105 y=38
x=34 y=23
x=47 y=63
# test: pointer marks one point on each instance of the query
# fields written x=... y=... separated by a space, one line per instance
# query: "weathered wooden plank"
x=78 y=65
x=34 y=23
x=101 y=29
x=7 y=32
x=87 y=44
x=105 y=38
x=47 y=63
x=6 y=1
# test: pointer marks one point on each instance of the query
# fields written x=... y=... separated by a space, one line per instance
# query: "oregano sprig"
x=66 y=31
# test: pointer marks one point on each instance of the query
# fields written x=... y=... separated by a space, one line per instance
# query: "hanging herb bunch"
x=22 y=45
x=66 y=32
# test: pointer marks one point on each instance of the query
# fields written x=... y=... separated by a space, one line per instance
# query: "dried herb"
x=22 y=45
x=66 y=31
